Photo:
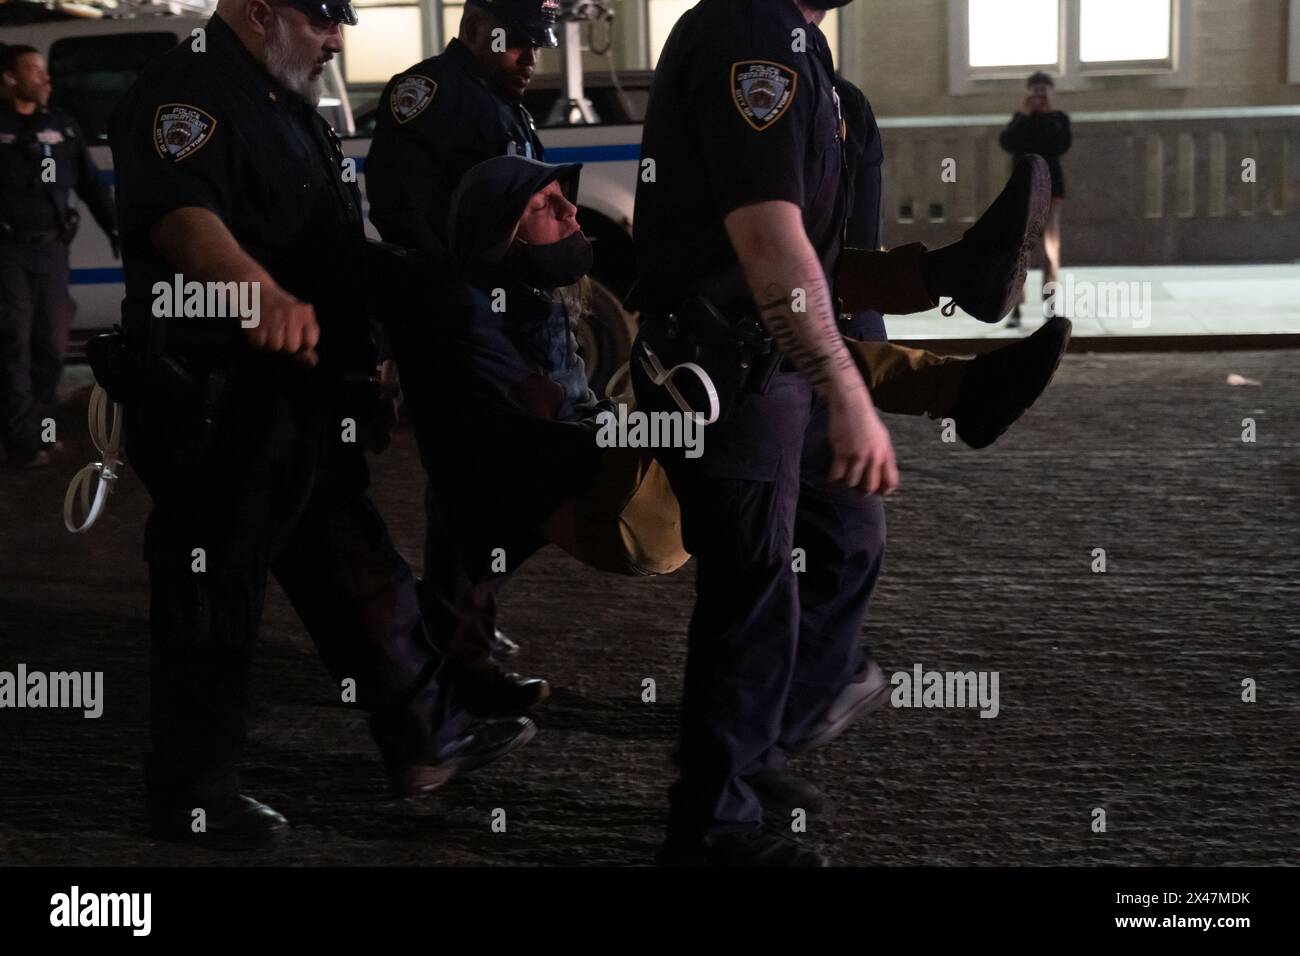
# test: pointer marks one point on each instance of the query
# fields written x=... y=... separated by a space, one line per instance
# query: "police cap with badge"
x=331 y=10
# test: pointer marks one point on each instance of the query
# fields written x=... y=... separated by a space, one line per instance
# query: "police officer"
x=743 y=218
x=227 y=175
x=450 y=112
x=436 y=121
x=43 y=160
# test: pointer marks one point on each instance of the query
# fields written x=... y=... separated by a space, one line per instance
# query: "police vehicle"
x=96 y=48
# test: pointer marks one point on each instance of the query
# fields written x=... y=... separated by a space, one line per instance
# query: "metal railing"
x=1193 y=186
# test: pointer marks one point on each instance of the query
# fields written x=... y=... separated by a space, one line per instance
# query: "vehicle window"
x=612 y=107
x=90 y=74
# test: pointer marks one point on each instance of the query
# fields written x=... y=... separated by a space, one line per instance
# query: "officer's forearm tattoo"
x=804 y=327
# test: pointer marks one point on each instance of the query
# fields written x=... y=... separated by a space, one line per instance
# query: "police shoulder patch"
x=411 y=94
x=762 y=90
x=180 y=130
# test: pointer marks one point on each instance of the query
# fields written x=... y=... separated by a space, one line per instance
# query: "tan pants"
x=630 y=521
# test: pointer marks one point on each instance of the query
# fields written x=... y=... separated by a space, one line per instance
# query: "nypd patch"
x=411 y=94
x=762 y=91
x=180 y=130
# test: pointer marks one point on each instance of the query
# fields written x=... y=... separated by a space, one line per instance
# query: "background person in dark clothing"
x=43 y=160
x=1039 y=128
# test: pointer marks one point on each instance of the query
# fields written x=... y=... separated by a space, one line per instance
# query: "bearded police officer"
x=228 y=177
x=740 y=217
x=43 y=160
x=436 y=121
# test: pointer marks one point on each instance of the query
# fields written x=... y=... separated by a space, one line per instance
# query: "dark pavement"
x=1119 y=691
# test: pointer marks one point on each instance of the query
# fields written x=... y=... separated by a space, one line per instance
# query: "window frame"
x=1070 y=73
x=1293 y=44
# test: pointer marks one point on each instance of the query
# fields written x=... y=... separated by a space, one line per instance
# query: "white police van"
x=94 y=60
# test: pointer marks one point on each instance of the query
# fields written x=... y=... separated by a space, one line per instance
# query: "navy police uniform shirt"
x=30 y=200
x=743 y=111
x=436 y=121
x=212 y=129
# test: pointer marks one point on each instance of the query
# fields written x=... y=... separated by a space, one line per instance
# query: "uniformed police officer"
x=43 y=160
x=450 y=112
x=227 y=174
x=436 y=121
x=746 y=212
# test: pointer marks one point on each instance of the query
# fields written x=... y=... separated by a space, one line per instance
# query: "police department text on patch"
x=762 y=91
x=180 y=130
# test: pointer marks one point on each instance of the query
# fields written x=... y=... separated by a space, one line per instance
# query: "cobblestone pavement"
x=1120 y=691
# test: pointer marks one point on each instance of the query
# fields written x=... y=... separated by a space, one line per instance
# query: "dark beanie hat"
x=490 y=200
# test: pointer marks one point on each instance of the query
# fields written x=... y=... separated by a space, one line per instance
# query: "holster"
x=118 y=368
x=129 y=376
x=738 y=353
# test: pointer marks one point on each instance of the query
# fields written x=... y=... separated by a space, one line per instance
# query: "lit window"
x=451 y=14
x=386 y=40
x=1014 y=32
x=831 y=27
x=663 y=15
x=1124 y=30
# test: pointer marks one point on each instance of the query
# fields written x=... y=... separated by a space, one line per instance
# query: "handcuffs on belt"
x=730 y=357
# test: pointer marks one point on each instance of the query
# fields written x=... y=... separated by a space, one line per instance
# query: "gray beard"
x=292 y=70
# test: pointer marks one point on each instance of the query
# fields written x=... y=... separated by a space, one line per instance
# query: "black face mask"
x=555 y=264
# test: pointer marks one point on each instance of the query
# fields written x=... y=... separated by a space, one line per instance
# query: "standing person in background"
x=43 y=161
x=1041 y=128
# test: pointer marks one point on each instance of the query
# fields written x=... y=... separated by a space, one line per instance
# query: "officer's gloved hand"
x=115 y=244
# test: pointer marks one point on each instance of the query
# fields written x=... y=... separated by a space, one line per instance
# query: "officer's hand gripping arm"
x=786 y=280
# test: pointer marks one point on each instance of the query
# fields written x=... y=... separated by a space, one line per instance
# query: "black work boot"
x=782 y=792
x=239 y=823
x=480 y=743
x=486 y=688
x=755 y=846
x=999 y=386
x=502 y=647
x=984 y=273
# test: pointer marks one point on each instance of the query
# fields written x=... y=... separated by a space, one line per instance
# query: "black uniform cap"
x=532 y=20
x=490 y=200
x=338 y=12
